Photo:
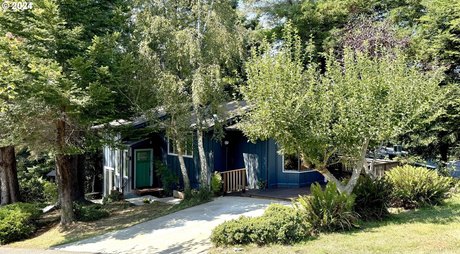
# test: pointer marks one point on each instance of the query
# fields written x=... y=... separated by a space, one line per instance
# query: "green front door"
x=143 y=168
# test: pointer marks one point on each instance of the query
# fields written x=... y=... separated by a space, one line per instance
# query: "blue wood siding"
x=222 y=157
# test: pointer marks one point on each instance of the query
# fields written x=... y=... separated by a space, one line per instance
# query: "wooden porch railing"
x=234 y=180
x=381 y=166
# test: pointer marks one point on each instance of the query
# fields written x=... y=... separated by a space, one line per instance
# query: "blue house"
x=131 y=165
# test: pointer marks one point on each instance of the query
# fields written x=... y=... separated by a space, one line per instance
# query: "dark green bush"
x=216 y=183
x=17 y=221
x=32 y=190
x=114 y=196
x=372 y=198
x=328 y=210
x=415 y=187
x=201 y=195
x=169 y=180
x=89 y=212
x=279 y=224
x=50 y=192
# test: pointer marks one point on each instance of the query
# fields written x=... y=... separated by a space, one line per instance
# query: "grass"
x=426 y=230
x=122 y=215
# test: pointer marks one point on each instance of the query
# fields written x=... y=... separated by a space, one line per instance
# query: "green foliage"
x=191 y=52
x=32 y=190
x=437 y=36
x=216 y=183
x=279 y=224
x=17 y=221
x=50 y=192
x=261 y=185
x=372 y=198
x=169 y=180
x=114 y=196
x=318 y=114
x=90 y=212
x=328 y=210
x=416 y=187
x=32 y=170
x=194 y=197
x=200 y=195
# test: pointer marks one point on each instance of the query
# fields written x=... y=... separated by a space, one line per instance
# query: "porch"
x=235 y=183
x=287 y=194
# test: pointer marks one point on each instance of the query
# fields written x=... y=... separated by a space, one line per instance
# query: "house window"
x=188 y=149
x=293 y=163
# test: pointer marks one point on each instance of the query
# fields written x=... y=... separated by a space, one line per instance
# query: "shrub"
x=194 y=197
x=114 y=196
x=50 y=191
x=372 y=198
x=169 y=180
x=32 y=190
x=201 y=194
x=279 y=224
x=328 y=210
x=17 y=221
x=89 y=212
x=414 y=186
x=216 y=183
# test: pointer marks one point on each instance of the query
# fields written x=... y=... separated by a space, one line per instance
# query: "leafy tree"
x=193 y=48
x=338 y=115
x=73 y=78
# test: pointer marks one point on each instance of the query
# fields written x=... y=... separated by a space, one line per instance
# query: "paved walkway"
x=4 y=250
x=186 y=231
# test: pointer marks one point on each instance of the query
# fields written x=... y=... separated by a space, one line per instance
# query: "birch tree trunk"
x=8 y=176
x=362 y=164
x=183 y=168
x=204 y=175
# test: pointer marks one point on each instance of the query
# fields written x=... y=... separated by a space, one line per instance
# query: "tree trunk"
x=8 y=176
x=64 y=174
x=362 y=164
x=183 y=168
x=444 y=151
x=204 y=176
x=78 y=177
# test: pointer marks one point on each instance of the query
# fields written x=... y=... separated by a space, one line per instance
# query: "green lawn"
x=427 y=230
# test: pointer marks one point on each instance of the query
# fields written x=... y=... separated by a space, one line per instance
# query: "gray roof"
x=231 y=110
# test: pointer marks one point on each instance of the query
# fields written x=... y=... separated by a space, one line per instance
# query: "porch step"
x=145 y=191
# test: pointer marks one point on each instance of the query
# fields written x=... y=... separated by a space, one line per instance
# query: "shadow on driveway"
x=185 y=231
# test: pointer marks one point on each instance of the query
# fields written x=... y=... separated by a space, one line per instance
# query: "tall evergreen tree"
x=76 y=75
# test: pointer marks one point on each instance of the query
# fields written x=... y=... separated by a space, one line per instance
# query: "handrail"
x=234 y=180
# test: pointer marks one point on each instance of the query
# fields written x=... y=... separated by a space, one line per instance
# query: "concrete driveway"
x=186 y=231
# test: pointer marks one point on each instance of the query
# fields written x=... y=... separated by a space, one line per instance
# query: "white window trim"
x=175 y=154
x=125 y=156
x=135 y=168
x=107 y=169
x=288 y=171
x=117 y=162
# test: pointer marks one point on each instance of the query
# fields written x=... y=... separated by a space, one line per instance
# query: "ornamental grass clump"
x=328 y=210
x=415 y=187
